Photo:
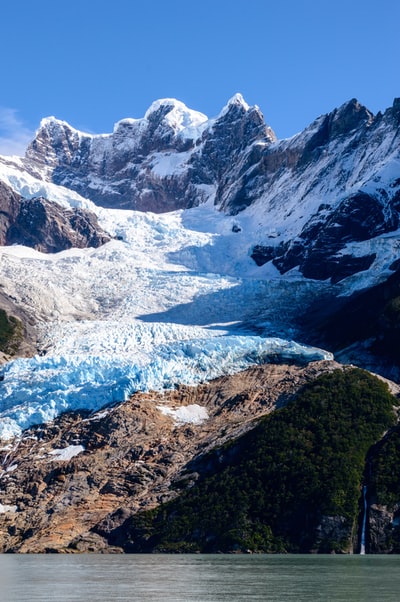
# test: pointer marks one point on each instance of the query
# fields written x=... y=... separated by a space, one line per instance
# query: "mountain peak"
x=235 y=102
x=348 y=117
x=51 y=121
x=237 y=99
x=353 y=113
x=169 y=103
x=175 y=113
x=52 y=124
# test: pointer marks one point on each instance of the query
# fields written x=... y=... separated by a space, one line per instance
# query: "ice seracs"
x=164 y=305
x=38 y=389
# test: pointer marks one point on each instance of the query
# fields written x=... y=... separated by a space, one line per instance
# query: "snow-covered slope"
x=336 y=187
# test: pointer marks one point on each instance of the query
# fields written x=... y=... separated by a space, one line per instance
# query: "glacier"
x=36 y=390
x=173 y=298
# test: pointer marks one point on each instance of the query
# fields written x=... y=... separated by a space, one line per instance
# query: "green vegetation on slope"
x=270 y=490
x=385 y=474
x=10 y=333
x=384 y=483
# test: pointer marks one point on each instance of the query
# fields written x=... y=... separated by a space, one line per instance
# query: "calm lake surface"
x=198 y=578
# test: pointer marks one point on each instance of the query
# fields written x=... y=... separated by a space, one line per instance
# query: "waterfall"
x=364 y=523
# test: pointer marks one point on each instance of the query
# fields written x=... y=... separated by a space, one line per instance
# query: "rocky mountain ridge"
x=319 y=196
x=149 y=164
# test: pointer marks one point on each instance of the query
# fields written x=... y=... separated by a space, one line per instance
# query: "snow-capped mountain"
x=159 y=274
x=317 y=199
x=221 y=233
x=172 y=158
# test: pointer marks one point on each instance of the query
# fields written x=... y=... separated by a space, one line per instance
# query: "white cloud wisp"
x=14 y=135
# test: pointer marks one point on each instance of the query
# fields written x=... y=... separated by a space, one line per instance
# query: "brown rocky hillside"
x=65 y=482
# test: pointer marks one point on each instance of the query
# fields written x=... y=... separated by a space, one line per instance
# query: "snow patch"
x=13 y=174
x=168 y=164
x=191 y=414
x=97 y=416
x=4 y=508
x=67 y=453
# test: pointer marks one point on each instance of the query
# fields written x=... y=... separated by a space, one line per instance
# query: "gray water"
x=198 y=578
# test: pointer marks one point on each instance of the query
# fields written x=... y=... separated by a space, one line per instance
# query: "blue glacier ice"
x=37 y=389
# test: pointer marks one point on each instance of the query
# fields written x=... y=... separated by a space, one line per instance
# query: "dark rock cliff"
x=46 y=226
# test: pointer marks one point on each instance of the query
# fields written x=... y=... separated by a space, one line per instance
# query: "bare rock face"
x=335 y=529
x=318 y=251
x=44 y=225
x=9 y=208
x=67 y=485
x=382 y=524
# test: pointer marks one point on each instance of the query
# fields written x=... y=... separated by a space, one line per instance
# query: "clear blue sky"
x=92 y=63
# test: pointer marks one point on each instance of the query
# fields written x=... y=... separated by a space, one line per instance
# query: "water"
x=364 y=523
x=199 y=578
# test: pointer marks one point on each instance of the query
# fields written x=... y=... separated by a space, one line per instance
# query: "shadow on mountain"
x=363 y=329
x=223 y=307
x=257 y=306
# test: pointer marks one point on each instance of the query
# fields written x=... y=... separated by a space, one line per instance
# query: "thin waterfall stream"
x=364 y=523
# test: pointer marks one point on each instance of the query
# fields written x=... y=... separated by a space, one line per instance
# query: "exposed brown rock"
x=27 y=342
x=46 y=226
x=133 y=454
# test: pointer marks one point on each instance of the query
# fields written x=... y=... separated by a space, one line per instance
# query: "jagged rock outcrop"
x=383 y=529
x=383 y=495
x=46 y=226
x=21 y=339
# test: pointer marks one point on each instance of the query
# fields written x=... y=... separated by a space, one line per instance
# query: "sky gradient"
x=94 y=63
